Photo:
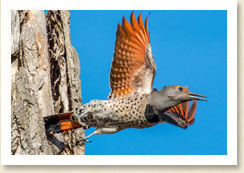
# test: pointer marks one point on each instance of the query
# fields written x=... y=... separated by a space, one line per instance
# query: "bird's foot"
x=82 y=140
x=86 y=141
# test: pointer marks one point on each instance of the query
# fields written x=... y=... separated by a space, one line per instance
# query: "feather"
x=129 y=72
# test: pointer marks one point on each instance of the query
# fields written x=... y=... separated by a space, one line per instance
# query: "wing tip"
x=131 y=29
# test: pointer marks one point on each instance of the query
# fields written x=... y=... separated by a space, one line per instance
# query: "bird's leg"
x=106 y=130
x=94 y=133
x=77 y=118
x=100 y=131
x=84 y=140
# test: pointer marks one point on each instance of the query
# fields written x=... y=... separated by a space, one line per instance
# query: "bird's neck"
x=161 y=102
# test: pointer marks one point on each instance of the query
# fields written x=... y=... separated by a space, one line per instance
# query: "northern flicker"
x=132 y=103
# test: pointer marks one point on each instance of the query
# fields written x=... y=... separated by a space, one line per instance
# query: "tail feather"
x=60 y=123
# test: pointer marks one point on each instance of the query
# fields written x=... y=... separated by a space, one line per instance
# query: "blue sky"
x=189 y=48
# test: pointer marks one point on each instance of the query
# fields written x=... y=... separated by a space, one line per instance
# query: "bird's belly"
x=135 y=124
x=123 y=113
x=118 y=121
x=102 y=120
x=139 y=123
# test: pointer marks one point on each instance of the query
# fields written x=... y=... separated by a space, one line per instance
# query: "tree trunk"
x=45 y=81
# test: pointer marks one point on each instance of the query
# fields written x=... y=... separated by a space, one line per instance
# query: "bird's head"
x=180 y=93
x=173 y=95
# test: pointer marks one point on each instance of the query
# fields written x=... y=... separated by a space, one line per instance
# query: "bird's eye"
x=180 y=88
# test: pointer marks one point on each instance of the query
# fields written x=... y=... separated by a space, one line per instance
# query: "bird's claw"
x=82 y=141
x=86 y=141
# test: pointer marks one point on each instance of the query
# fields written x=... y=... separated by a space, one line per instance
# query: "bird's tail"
x=60 y=122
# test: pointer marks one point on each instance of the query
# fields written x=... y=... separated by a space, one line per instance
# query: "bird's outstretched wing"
x=181 y=115
x=133 y=67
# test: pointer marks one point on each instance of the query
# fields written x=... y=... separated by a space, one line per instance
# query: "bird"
x=132 y=103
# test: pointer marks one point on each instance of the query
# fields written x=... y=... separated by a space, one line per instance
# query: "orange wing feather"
x=130 y=58
x=182 y=110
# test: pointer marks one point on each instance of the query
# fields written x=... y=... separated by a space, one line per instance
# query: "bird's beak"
x=194 y=96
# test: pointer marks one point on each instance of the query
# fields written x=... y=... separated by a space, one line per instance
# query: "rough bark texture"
x=45 y=81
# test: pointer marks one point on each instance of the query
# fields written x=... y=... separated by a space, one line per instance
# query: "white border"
x=229 y=159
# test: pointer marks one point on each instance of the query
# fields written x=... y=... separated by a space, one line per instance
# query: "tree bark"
x=45 y=81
